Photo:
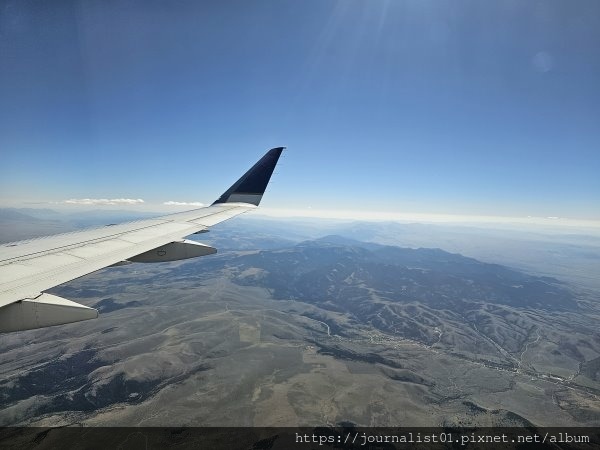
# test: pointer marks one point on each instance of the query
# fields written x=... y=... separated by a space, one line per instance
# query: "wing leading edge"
x=28 y=268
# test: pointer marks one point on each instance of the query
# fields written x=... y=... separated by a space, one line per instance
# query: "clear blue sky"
x=455 y=107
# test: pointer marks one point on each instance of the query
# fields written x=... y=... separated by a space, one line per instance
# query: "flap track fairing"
x=175 y=251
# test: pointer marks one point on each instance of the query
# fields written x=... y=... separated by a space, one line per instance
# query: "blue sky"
x=446 y=107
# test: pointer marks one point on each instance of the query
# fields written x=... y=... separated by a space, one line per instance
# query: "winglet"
x=251 y=187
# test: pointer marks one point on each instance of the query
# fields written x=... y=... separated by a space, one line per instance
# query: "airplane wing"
x=28 y=268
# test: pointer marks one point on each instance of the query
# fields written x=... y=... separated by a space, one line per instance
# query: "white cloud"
x=172 y=203
x=104 y=201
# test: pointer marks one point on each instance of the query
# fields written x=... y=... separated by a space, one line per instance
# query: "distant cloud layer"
x=104 y=201
x=172 y=203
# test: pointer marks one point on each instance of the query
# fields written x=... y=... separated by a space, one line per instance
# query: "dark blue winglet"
x=252 y=185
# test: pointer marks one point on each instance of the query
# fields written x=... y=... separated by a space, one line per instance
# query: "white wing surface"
x=28 y=268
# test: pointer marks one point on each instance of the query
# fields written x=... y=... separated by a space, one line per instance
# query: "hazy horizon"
x=523 y=223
